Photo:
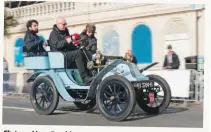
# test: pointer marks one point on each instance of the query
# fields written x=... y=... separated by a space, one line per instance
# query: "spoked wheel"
x=116 y=98
x=155 y=101
x=44 y=96
x=88 y=105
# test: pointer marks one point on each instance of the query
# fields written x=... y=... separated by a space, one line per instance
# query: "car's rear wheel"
x=44 y=96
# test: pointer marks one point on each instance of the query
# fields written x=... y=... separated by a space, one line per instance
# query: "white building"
x=145 y=28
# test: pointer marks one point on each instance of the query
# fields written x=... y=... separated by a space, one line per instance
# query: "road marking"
x=28 y=100
x=32 y=110
x=16 y=108
x=28 y=110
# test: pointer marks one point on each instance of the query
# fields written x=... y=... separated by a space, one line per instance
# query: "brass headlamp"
x=98 y=57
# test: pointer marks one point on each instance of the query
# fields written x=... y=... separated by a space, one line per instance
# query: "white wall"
x=201 y=34
x=124 y=21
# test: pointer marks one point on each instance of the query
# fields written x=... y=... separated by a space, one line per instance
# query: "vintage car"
x=116 y=88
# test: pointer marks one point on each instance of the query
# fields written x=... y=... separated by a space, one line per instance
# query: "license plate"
x=143 y=84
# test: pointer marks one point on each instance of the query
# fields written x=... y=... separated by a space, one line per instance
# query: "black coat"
x=58 y=42
x=89 y=42
x=32 y=43
x=134 y=60
x=175 y=61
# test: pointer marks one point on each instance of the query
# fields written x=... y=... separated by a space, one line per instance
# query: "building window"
x=142 y=44
x=111 y=46
x=19 y=62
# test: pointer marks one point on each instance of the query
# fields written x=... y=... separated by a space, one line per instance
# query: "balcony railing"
x=42 y=9
x=60 y=8
x=53 y=9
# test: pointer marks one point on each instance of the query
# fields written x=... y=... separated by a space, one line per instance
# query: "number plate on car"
x=143 y=84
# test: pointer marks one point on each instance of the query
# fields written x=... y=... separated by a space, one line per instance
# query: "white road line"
x=28 y=100
x=16 y=108
x=28 y=110
x=32 y=110
x=22 y=100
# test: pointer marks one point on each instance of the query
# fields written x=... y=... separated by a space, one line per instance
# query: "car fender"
x=134 y=74
x=57 y=81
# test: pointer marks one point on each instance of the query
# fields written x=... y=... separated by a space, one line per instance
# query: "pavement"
x=18 y=110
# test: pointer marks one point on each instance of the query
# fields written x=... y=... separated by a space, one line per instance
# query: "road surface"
x=19 y=111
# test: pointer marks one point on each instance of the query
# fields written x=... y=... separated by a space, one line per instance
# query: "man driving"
x=60 y=40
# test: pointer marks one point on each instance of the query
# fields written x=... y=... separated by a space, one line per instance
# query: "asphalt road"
x=19 y=111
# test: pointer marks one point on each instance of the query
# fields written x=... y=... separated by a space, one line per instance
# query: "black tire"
x=166 y=101
x=86 y=106
x=49 y=94
x=124 y=88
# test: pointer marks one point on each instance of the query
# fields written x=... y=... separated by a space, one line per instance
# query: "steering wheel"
x=90 y=63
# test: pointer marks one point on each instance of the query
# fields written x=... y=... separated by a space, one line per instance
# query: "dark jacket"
x=90 y=42
x=175 y=61
x=58 y=42
x=32 y=43
x=134 y=60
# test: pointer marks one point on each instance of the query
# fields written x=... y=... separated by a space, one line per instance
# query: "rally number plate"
x=143 y=84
